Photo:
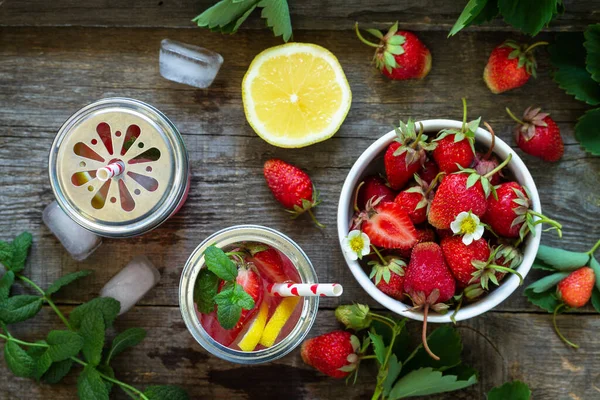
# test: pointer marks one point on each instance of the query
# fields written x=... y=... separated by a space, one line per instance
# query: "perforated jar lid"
x=156 y=170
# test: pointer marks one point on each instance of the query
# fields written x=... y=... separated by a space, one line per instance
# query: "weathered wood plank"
x=419 y=15
x=169 y=355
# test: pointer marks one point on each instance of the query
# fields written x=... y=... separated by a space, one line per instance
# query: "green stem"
x=545 y=220
x=418 y=138
x=533 y=46
x=369 y=357
x=499 y=167
x=46 y=299
x=593 y=249
x=389 y=322
x=464 y=121
x=517 y=120
x=320 y=225
x=356 y=196
x=381 y=376
x=560 y=335
x=491 y=149
x=506 y=269
x=362 y=39
x=22 y=342
x=31 y=283
x=379 y=255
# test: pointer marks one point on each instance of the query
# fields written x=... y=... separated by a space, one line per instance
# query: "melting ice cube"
x=78 y=241
x=132 y=283
x=188 y=64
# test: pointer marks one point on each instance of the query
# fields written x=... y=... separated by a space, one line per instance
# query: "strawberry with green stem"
x=372 y=186
x=416 y=200
x=537 y=134
x=388 y=274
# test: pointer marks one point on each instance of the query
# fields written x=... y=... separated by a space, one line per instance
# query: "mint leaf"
x=6 y=283
x=596 y=299
x=427 y=381
x=165 y=392
x=92 y=331
x=224 y=14
x=205 y=289
x=217 y=262
x=6 y=253
x=592 y=45
x=65 y=280
x=241 y=298
x=129 y=338
x=560 y=259
x=21 y=245
x=547 y=282
x=108 y=306
x=108 y=371
x=586 y=131
x=277 y=14
x=546 y=300
x=90 y=385
x=19 y=308
x=378 y=346
x=41 y=358
x=515 y=390
x=446 y=343
x=63 y=345
x=394 y=369
x=228 y=311
x=470 y=12
x=18 y=361
x=57 y=371
x=529 y=16
x=567 y=55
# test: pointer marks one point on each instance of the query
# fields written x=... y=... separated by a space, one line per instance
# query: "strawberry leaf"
x=446 y=342
x=528 y=16
x=470 y=12
x=537 y=264
x=596 y=299
x=515 y=390
x=560 y=259
x=489 y=12
x=547 y=282
x=596 y=267
x=586 y=131
x=394 y=369
x=546 y=300
x=378 y=347
x=224 y=13
x=427 y=381
x=277 y=14
x=592 y=45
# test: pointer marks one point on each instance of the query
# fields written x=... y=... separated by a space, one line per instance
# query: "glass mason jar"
x=227 y=237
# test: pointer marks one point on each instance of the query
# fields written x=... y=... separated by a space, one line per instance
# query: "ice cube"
x=78 y=241
x=132 y=283
x=188 y=64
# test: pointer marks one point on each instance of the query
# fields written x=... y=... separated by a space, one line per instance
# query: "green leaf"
x=547 y=282
x=586 y=131
x=515 y=390
x=65 y=280
x=394 y=369
x=217 y=261
x=567 y=55
x=241 y=298
x=6 y=283
x=108 y=306
x=129 y=338
x=21 y=245
x=596 y=267
x=165 y=392
x=546 y=300
x=378 y=347
x=41 y=358
x=18 y=361
x=538 y=264
x=223 y=13
x=90 y=385
x=470 y=12
x=446 y=343
x=92 y=331
x=592 y=45
x=427 y=381
x=63 y=345
x=19 y=308
x=228 y=312
x=241 y=19
x=489 y=12
x=108 y=371
x=6 y=253
x=57 y=371
x=596 y=299
x=277 y=14
x=205 y=290
x=529 y=16
x=560 y=259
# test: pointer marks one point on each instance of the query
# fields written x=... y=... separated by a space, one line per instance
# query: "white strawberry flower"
x=356 y=245
x=469 y=226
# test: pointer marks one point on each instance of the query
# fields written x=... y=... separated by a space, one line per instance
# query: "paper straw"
x=305 y=289
x=113 y=169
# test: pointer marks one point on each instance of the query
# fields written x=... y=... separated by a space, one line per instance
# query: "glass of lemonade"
x=274 y=326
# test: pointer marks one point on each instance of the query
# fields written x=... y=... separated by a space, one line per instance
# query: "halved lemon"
x=252 y=336
x=295 y=95
x=282 y=313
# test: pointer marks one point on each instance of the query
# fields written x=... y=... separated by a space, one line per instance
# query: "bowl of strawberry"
x=440 y=220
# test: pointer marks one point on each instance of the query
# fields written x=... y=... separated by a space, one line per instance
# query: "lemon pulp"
x=276 y=323
x=251 y=338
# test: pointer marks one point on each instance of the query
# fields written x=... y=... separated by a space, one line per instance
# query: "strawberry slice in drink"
x=269 y=264
x=389 y=226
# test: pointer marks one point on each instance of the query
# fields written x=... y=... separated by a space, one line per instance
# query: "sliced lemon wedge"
x=295 y=95
x=252 y=336
x=281 y=315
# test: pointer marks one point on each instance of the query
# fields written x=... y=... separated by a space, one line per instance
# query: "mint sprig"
x=205 y=290
x=220 y=264
x=230 y=302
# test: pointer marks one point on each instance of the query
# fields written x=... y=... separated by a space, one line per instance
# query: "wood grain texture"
x=414 y=15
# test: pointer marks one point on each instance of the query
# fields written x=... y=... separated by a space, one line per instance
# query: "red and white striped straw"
x=305 y=289
x=112 y=169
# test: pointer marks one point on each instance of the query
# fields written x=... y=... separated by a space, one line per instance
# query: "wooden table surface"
x=58 y=56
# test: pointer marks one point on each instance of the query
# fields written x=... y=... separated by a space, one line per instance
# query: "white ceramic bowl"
x=371 y=161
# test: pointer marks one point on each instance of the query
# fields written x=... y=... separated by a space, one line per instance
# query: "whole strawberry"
x=415 y=201
x=423 y=235
x=400 y=54
x=373 y=187
x=460 y=257
x=429 y=171
x=576 y=289
x=333 y=353
x=387 y=225
x=405 y=156
x=537 y=134
x=388 y=276
x=428 y=282
x=292 y=188
x=510 y=65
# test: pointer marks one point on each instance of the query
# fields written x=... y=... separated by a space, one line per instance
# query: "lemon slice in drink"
x=295 y=95
x=252 y=336
x=281 y=315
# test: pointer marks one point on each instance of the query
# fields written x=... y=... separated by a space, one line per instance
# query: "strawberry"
x=429 y=171
x=537 y=134
x=423 y=235
x=333 y=353
x=453 y=197
x=405 y=156
x=415 y=201
x=388 y=276
x=510 y=65
x=510 y=214
x=373 y=186
x=388 y=226
x=428 y=282
x=576 y=289
x=460 y=257
x=400 y=55
x=292 y=188
x=268 y=262
x=456 y=147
